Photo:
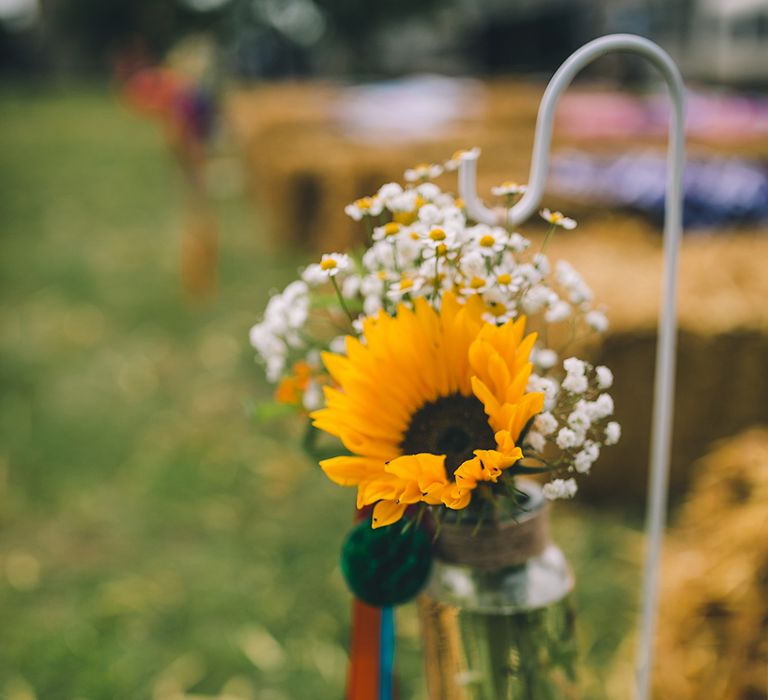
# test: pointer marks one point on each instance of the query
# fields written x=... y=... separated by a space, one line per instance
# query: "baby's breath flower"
x=612 y=433
x=571 y=280
x=536 y=298
x=557 y=218
x=560 y=488
x=597 y=321
x=545 y=423
x=536 y=440
x=586 y=457
x=604 y=377
x=603 y=406
x=579 y=419
x=573 y=365
x=423 y=171
x=575 y=384
x=547 y=386
x=567 y=439
x=545 y=358
x=558 y=311
x=508 y=189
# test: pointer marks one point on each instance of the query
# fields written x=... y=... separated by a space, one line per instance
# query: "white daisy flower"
x=557 y=218
x=365 y=206
x=455 y=160
x=423 y=171
x=508 y=189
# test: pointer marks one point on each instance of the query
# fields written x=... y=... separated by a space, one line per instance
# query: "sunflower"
x=430 y=404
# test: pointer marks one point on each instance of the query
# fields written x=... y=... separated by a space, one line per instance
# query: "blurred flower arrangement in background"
x=440 y=357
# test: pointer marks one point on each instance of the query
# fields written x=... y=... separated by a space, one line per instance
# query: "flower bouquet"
x=439 y=357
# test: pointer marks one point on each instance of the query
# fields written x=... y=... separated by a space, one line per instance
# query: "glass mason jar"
x=496 y=617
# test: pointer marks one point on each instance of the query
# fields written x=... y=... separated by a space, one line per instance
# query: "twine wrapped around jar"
x=497 y=545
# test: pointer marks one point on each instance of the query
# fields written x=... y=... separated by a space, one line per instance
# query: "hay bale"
x=713 y=634
x=722 y=349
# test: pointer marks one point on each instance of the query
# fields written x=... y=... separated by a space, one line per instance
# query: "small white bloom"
x=472 y=264
x=572 y=281
x=536 y=440
x=597 y=321
x=583 y=461
x=329 y=266
x=548 y=386
x=518 y=243
x=541 y=263
x=430 y=214
x=508 y=189
x=372 y=304
x=545 y=423
x=423 y=171
x=575 y=366
x=365 y=206
x=536 y=298
x=604 y=377
x=313 y=396
x=560 y=488
x=559 y=311
x=545 y=358
x=603 y=406
x=455 y=161
x=556 y=218
x=529 y=273
x=314 y=275
x=575 y=384
x=567 y=439
x=339 y=345
x=429 y=191
x=405 y=285
x=387 y=192
x=405 y=201
x=350 y=287
x=579 y=420
x=612 y=433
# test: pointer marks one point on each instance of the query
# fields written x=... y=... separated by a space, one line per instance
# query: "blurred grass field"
x=154 y=540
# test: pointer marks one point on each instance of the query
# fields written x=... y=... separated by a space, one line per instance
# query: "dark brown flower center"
x=454 y=426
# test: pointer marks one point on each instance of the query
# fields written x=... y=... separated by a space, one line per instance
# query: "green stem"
x=341 y=300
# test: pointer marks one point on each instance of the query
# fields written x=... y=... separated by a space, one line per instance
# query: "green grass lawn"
x=154 y=540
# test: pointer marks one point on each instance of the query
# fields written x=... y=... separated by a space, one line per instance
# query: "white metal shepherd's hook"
x=664 y=381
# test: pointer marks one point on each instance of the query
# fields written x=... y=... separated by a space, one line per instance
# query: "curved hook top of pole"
x=664 y=377
x=530 y=201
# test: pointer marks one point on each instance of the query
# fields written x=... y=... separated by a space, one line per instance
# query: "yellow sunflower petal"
x=349 y=471
x=387 y=512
